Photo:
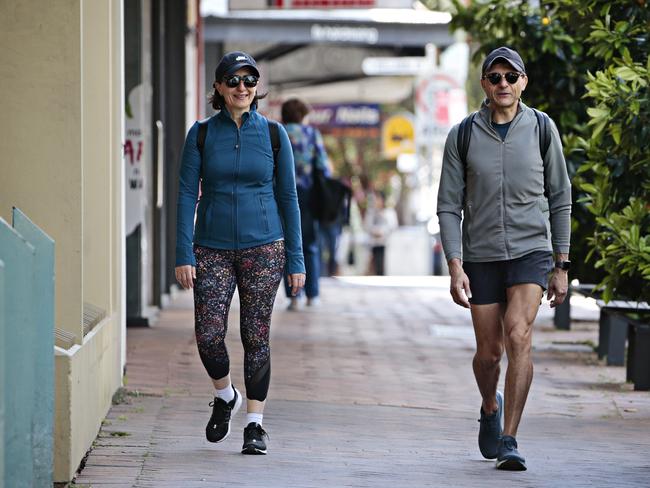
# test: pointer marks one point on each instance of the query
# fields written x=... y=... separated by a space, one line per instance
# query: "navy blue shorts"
x=489 y=281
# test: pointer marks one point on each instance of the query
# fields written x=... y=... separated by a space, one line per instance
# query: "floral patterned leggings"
x=256 y=272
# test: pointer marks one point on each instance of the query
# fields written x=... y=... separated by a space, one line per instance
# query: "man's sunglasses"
x=233 y=81
x=495 y=78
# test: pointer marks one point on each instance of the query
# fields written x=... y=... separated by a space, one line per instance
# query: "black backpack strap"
x=544 y=124
x=464 y=136
x=276 y=145
x=462 y=140
x=200 y=138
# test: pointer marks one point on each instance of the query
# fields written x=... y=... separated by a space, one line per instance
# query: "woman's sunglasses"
x=495 y=78
x=233 y=81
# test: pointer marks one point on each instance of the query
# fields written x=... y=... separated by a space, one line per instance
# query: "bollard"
x=562 y=317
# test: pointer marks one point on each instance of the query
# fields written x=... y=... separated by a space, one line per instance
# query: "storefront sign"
x=346 y=115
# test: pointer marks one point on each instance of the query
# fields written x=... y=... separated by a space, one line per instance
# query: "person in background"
x=380 y=221
x=238 y=240
x=308 y=153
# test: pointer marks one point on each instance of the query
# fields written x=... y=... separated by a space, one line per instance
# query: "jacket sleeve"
x=287 y=199
x=451 y=195
x=558 y=191
x=188 y=192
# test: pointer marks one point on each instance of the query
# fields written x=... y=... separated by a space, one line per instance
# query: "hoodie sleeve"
x=287 y=199
x=451 y=195
x=188 y=193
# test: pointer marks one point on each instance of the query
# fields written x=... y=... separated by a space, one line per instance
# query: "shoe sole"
x=253 y=450
x=500 y=404
x=234 y=410
x=511 y=465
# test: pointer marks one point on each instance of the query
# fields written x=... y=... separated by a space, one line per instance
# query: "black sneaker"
x=508 y=457
x=219 y=426
x=490 y=431
x=255 y=438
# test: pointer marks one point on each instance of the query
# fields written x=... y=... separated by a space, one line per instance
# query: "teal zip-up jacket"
x=239 y=207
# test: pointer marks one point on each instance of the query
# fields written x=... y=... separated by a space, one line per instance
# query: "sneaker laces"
x=509 y=443
x=221 y=410
x=257 y=430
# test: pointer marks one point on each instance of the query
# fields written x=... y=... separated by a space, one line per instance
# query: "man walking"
x=505 y=177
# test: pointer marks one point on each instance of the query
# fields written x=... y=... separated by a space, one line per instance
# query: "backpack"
x=274 y=132
x=465 y=134
x=329 y=198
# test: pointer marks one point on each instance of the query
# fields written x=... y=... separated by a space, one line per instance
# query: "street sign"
x=394 y=66
x=398 y=135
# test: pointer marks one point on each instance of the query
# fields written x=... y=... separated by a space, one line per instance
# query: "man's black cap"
x=506 y=54
x=233 y=61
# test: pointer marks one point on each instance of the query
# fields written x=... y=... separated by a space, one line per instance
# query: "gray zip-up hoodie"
x=507 y=193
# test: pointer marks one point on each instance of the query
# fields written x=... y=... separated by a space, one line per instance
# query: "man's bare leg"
x=521 y=310
x=488 y=329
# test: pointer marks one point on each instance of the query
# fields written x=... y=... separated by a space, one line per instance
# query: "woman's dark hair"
x=218 y=102
x=293 y=111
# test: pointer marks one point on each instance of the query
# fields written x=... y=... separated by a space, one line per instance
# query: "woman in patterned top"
x=308 y=153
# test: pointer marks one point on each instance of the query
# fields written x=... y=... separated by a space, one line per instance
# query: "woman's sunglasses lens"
x=250 y=81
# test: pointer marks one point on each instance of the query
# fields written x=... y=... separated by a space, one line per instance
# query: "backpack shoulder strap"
x=464 y=136
x=200 y=137
x=544 y=124
x=276 y=145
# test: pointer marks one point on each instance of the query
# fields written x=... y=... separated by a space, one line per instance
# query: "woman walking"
x=238 y=240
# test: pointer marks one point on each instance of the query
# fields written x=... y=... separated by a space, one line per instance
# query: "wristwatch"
x=564 y=265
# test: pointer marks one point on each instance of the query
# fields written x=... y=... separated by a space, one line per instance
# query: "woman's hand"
x=296 y=282
x=186 y=275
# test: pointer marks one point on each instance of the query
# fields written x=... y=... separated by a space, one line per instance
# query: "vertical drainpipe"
x=200 y=52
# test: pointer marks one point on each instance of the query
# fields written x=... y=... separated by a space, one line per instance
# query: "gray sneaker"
x=491 y=429
x=508 y=457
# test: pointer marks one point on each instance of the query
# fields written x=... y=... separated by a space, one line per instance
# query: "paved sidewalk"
x=372 y=389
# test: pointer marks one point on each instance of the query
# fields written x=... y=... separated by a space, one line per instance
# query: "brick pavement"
x=372 y=389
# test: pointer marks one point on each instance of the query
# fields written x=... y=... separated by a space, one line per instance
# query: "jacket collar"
x=224 y=114
x=486 y=113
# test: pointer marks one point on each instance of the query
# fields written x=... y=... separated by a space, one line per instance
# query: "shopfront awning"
x=369 y=27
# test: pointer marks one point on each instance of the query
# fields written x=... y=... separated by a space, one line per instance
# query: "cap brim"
x=238 y=66
x=512 y=63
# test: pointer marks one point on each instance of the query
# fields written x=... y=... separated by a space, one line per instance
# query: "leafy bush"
x=616 y=174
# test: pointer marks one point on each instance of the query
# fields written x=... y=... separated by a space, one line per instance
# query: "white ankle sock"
x=227 y=394
x=254 y=417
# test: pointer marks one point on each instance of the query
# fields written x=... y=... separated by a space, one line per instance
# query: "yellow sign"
x=398 y=136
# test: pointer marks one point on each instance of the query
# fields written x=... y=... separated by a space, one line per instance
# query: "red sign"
x=320 y=3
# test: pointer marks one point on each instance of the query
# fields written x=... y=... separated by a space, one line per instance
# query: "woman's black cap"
x=233 y=61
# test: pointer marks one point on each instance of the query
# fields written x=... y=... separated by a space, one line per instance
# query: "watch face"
x=564 y=265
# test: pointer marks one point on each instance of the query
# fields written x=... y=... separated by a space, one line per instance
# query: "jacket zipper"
x=266 y=218
x=234 y=189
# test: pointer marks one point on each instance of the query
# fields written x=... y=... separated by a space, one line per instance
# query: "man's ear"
x=525 y=83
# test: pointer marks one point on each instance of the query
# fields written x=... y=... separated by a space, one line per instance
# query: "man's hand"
x=558 y=286
x=459 y=286
x=186 y=275
x=296 y=282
